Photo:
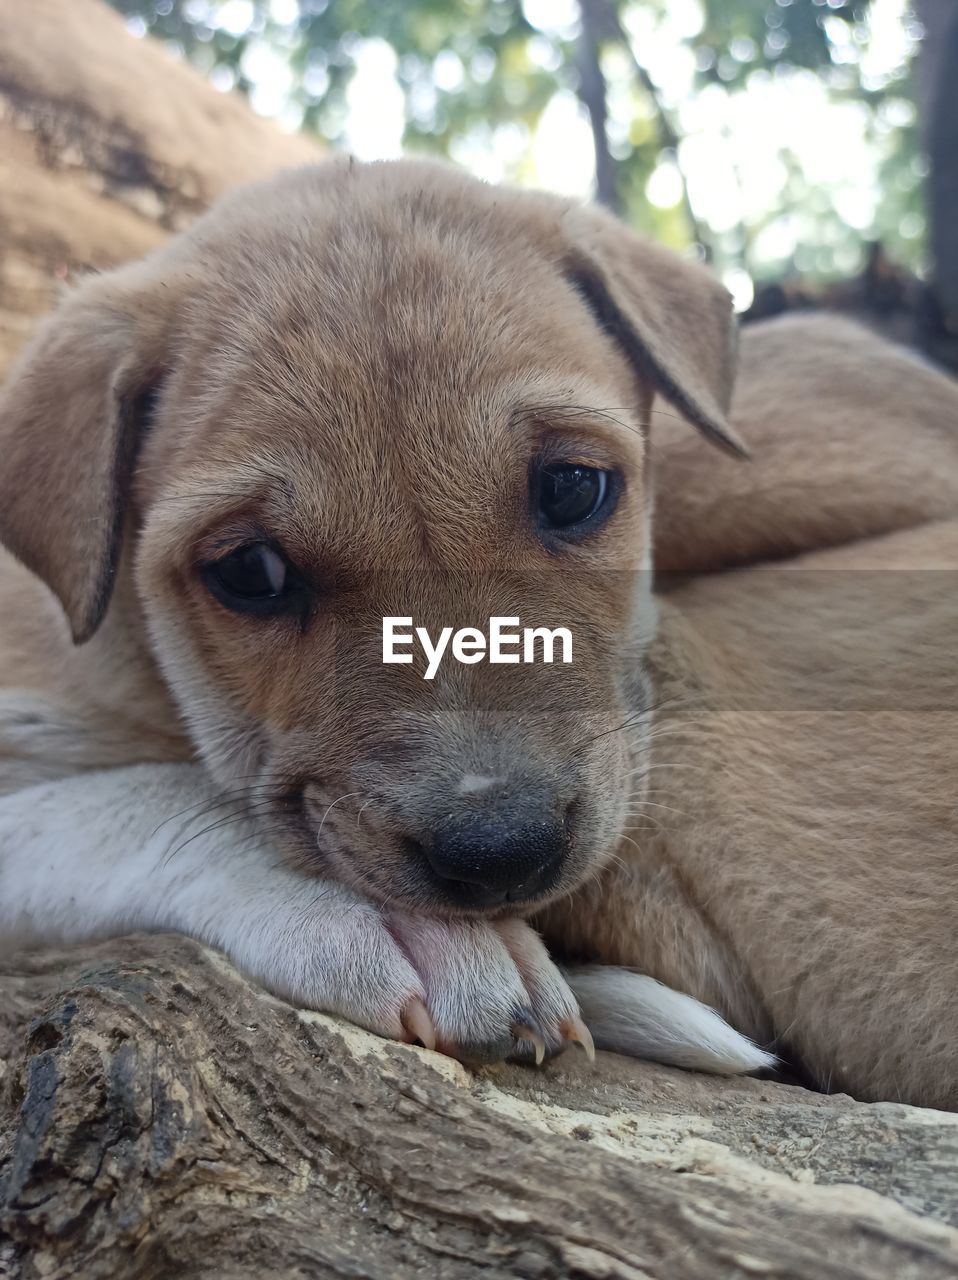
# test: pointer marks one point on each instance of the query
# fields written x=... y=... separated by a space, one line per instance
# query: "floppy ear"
x=69 y=420
x=671 y=317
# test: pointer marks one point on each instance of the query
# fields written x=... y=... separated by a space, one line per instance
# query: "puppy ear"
x=671 y=317
x=69 y=420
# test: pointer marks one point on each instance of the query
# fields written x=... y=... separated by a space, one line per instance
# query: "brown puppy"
x=350 y=394
x=356 y=393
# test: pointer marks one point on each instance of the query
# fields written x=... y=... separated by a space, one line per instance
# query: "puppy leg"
x=633 y=1014
x=99 y=854
x=493 y=992
x=152 y=847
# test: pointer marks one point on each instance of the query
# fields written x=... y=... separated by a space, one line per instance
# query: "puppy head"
x=361 y=392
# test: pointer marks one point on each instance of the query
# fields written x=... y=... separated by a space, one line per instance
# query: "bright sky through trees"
x=796 y=118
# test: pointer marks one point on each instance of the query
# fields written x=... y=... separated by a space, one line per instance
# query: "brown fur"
x=794 y=863
x=360 y=362
x=850 y=438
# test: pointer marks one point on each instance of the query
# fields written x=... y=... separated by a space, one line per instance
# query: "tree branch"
x=605 y=25
x=593 y=93
x=161 y=1116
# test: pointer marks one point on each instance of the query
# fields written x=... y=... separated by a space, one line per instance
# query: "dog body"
x=351 y=388
x=794 y=863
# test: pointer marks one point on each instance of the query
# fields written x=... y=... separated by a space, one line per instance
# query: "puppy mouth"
x=414 y=886
x=461 y=869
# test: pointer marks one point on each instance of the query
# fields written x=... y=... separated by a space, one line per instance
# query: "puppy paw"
x=476 y=990
x=491 y=992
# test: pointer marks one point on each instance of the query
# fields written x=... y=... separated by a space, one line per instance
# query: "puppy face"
x=388 y=391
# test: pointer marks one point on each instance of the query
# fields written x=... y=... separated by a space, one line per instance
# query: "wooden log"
x=161 y=1116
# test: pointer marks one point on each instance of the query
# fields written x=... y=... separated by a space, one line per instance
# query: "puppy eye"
x=571 y=499
x=251 y=579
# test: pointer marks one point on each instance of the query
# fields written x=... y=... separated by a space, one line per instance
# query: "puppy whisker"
x=247 y=812
x=348 y=796
x=202 y=807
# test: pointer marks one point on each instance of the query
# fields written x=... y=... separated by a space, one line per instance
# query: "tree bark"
x=162 y=1117
x=107 y=143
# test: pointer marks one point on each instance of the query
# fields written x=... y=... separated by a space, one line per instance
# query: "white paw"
x=491 y=990
x=479 y=991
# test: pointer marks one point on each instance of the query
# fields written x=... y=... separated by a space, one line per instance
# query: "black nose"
x=487 y=860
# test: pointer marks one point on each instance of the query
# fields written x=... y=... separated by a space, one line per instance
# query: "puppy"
x=368 y=392
x=355 y=392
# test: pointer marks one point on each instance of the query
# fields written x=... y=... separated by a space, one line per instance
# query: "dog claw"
x=523 y=1031
x=417 y=1023
x=575 y=1029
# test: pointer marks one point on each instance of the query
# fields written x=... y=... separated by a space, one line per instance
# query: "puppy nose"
x=486 y=860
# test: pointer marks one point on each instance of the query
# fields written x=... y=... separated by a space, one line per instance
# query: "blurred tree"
x=938 y=99
x=684 y=100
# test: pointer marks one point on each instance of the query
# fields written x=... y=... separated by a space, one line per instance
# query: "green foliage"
x=469 y=69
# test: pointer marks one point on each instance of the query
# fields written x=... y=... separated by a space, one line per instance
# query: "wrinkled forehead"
x=357 y=364
x=365 y=497
x=381 y=308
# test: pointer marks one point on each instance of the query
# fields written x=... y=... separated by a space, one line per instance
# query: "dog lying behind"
x=794 y=862
x=361 y=392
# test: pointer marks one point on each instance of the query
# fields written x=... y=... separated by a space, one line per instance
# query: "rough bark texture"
x=163 y=1117
x=160 y=1116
